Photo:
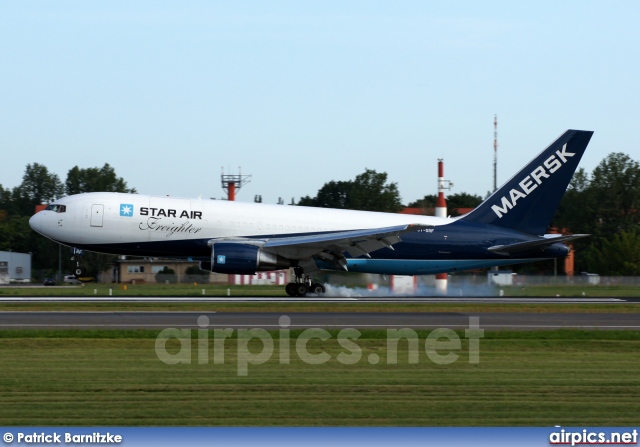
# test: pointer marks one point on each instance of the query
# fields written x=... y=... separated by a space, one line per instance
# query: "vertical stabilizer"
x=528 y=201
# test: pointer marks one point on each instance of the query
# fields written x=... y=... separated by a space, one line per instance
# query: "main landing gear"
x=303 y=285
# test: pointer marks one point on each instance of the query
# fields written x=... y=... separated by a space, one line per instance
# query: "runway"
x=326 y=320
x=324 y=299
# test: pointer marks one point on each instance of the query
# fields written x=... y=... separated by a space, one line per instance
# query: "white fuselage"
x=106 y=218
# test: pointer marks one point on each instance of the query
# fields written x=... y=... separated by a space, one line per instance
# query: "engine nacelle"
x=243 y=259
x=205 y=265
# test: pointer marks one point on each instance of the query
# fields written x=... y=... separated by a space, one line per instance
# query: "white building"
x=17 y=265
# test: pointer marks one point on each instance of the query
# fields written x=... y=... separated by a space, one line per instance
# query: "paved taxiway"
x=337 y=320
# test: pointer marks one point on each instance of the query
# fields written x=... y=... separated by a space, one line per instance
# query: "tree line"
x=603 y=203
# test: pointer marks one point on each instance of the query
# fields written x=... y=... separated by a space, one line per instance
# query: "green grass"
x=286 y=308
x=571 y=290
x=137 y=290
x=565 y=377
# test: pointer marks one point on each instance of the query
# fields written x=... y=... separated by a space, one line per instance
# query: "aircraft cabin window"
x=56 y=208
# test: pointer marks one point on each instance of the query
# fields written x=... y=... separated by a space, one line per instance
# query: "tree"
x=331 y=195
x=18 y=205
x=194 y=274
x=606 y=205
x=166 y=275
x=38 y=186
x=6 y=202
x=428 y=201
x=615 y=189
x=369 y=191
x=604 y=202
x=463 y=200
x=454 y=202
x=95 y=180
x=576 y=212
x=615 y=256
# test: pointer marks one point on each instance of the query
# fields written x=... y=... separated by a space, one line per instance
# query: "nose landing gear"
x=77 y=256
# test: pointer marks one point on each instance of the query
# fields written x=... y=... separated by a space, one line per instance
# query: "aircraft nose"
x=35 y=222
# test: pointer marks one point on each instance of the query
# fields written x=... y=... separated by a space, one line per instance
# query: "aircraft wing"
x=331 y=246
x=356 y=242
x=530 y=245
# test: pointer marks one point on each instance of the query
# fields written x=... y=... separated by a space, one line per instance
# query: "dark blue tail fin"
x=528 y=201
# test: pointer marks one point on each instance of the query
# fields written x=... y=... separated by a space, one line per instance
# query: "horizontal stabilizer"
x=530 y=245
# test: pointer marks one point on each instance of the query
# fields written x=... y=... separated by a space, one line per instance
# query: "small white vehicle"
x=71 y=279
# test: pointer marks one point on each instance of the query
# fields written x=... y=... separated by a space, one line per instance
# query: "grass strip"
x=102 y=377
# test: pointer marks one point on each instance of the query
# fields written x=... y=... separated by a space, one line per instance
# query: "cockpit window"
x=56 y=208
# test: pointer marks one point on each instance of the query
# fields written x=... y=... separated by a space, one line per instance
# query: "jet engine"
x=242 y=259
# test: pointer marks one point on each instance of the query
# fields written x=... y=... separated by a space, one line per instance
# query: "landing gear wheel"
x=291 y=289
x=303 y=284
x=301 y=289
x=78 y=272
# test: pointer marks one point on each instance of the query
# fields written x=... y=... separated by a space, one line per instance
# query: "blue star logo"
x=126 y=210
x=222 y=259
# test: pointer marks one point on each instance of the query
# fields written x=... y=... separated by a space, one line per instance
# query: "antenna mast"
x=232 y=183
x=495 y=153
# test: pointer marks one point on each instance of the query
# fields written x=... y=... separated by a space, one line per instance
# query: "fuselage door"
x=97 y=213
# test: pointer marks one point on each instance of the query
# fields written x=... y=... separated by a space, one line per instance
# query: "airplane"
x=243 y=238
